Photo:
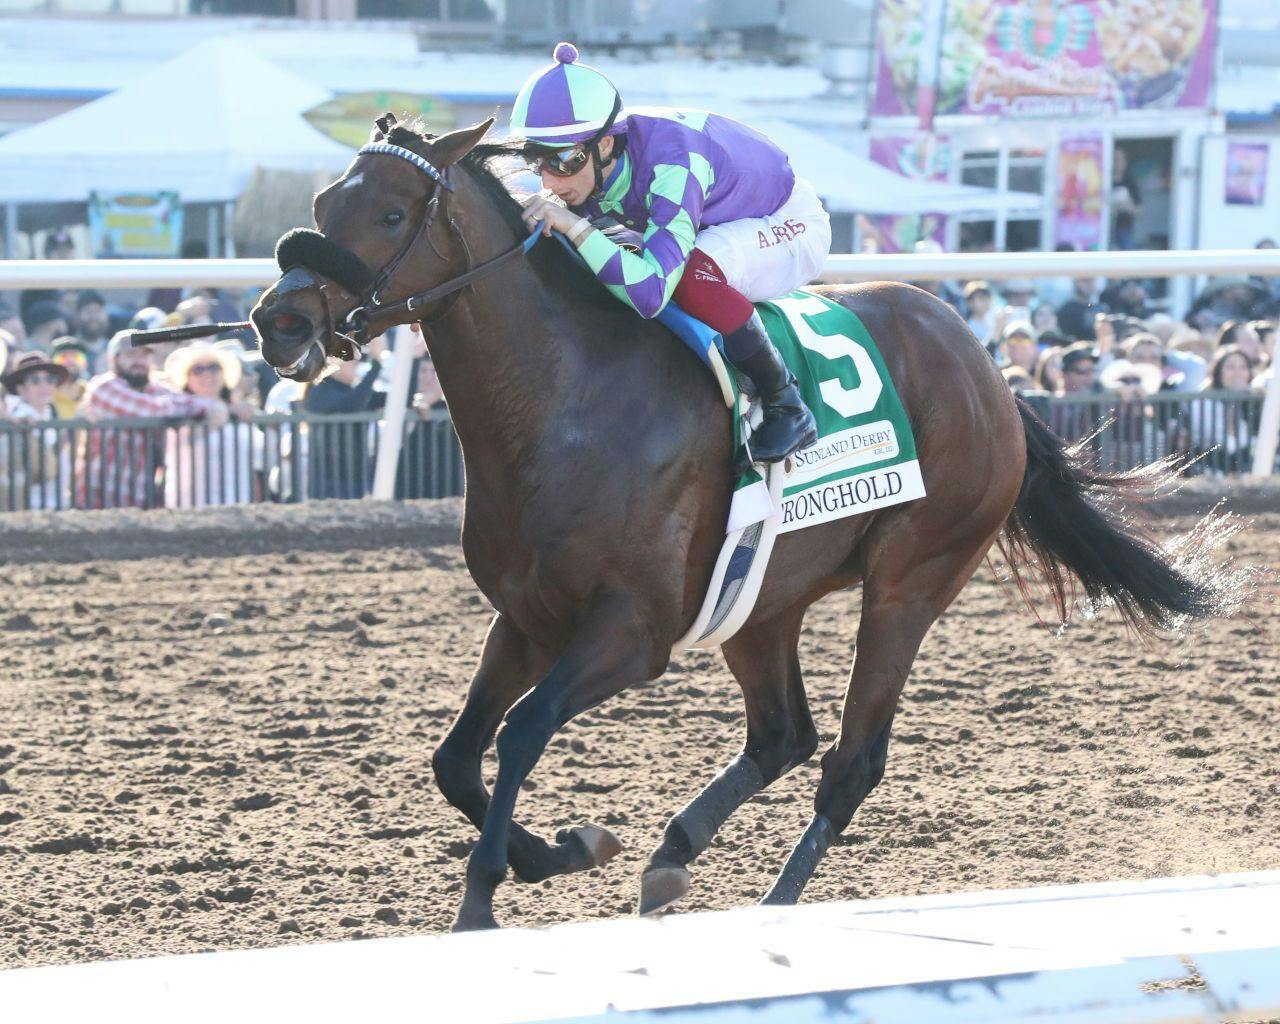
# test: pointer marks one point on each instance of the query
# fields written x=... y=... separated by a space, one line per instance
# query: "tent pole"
x=11 y=231
x=228 y=242
x=213 y=231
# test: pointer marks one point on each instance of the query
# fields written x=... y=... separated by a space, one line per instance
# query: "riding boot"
x=788 y=424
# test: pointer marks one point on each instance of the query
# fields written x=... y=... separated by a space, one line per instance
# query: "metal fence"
x=1216 y=429
x=154 y=463
x=148 y=463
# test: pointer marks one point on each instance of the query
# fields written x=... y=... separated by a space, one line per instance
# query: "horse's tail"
x=1070 y=523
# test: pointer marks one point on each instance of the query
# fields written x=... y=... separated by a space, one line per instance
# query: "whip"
x=186 y=333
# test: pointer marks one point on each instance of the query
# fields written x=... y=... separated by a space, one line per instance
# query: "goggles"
x=563 y=163
x=73 y=361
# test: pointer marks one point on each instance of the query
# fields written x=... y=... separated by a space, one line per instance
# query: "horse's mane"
x=491 y=165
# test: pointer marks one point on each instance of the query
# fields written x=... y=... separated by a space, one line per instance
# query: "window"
x=977 y=236
x=1022 y=236
x=1026 y=170
x=980 y=167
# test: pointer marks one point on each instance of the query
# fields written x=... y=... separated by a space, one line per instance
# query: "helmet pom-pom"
x=565 y=53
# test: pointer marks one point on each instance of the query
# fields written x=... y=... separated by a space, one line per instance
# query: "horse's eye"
x=393 y=218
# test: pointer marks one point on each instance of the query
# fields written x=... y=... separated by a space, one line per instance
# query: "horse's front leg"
x=780 y=735
x=509 y=666
x=610 y=652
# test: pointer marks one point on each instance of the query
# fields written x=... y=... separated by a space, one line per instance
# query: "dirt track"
x=215 y=731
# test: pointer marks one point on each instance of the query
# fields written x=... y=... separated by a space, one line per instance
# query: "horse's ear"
x=449 y=149
x=383 y=126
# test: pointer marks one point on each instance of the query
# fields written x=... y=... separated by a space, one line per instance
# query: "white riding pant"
x=767 y=257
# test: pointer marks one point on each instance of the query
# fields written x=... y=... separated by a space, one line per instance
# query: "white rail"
x=15 y=274
x=1089 y=953
x=839 y=268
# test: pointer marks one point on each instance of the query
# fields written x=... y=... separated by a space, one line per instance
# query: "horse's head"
x=375 y=223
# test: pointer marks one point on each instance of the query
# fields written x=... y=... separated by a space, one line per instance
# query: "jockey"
x=724 y=221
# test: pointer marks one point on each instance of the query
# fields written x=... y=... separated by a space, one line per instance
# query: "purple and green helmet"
x=565 y=103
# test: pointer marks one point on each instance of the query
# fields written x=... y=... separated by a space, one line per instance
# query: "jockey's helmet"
x=565 y=104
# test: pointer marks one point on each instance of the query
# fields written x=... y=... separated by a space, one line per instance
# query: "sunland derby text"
x=873 y=442
x=851 y=496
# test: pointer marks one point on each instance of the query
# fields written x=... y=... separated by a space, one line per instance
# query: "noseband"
x=315 y=251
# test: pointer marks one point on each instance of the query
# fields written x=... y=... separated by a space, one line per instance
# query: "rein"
x=356 y=325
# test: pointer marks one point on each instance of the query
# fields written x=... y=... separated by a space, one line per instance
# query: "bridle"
x=349 y=271
x=319 y=259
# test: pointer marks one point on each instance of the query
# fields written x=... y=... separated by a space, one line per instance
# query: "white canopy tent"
x=198 y=125
x=849 y=183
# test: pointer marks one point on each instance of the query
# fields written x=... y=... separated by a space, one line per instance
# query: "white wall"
x=1222 y=225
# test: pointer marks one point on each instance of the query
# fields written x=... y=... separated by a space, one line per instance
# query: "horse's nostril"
x=289 y=326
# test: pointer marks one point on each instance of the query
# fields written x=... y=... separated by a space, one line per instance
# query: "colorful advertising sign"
x=135 y=225
x=348 y=118
x=1048 y=58
x=1246 y=173
x=1081 y=198
x=919 y=155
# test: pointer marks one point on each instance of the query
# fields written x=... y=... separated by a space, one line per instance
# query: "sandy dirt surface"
x=216 y=728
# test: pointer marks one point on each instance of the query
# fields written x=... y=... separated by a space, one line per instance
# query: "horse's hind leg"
x=911 y=579
x=509 y=666
x=780 y=735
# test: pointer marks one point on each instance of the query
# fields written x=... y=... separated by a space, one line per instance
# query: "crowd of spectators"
x=1109 y=348
x=89 y=421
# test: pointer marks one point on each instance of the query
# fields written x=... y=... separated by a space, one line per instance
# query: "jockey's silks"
x=682 y=170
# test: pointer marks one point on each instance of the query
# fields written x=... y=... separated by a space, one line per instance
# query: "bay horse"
x=597 y=454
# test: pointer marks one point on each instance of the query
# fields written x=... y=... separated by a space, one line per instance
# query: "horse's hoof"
x=474 y=922
x=662 y=887
x=601 y=844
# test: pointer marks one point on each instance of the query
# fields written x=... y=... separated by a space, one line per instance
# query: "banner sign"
x=1081 y=197
x=148 y=224
x=1245 y=181
x=920 y=155
x=348 y=118
x=1048 y=58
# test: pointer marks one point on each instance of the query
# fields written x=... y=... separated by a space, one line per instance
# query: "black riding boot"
x=788 y=424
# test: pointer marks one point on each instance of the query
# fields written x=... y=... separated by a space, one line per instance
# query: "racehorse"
x=597 y=453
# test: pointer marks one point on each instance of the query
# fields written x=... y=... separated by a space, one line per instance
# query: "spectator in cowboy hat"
x=45 y=321
x=32 y=380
